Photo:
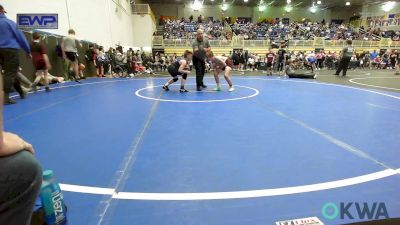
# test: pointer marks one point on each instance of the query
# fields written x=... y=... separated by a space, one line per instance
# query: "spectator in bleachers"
x=273 y=30
x=119 y=64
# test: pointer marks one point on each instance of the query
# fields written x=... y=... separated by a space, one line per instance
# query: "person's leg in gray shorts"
x=20 y=181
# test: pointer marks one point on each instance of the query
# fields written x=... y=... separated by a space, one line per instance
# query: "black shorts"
x=99 y=63
x=174 y=72
x=71 y=56
x=269 y=64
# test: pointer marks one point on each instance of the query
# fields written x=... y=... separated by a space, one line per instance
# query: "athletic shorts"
x=269 y=64
x=312 y=60
x=71 y=56
x=174 y=72
x=40 y=65
x=99 y=63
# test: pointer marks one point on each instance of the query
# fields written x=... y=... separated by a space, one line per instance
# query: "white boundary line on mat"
x=375 y=86
x=256 y=92
x=232 y=194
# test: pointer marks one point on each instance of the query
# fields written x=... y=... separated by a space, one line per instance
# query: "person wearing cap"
x=11 y=40
x=20 y=177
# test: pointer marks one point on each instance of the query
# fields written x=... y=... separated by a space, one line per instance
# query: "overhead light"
x=246 y=0
x=288 y=8
x=197 y=5
x=319 y=2
x=347 y=3
x=288 y=1
x=387 y=6
x=262 y=8
x=224 y=7
x=313 y=9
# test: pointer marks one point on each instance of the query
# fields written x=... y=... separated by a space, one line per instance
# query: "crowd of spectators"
x=272 y=30
x=243 y=60
x=116 y=62
x=186 y=29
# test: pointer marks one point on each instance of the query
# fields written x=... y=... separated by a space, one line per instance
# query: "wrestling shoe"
x=217 y=89
x=198 y=89
x=231 y=89
x=204 y=86
x=183 y=90
x=9 y=101
x=166 y=88
x=48 y=89
x=22 y=95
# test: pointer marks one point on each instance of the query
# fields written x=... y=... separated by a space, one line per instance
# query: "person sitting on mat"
x=220 y=66
x=51 y=80
x=179 y=68
x=289 y=68
x=291 y=72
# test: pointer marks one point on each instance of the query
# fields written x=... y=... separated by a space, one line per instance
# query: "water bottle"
x=52 y=200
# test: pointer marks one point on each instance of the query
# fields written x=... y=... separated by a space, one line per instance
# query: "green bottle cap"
x=48 y=175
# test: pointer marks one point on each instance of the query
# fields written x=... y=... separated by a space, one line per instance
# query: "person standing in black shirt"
x=347 y=53
x=200 y=47
x=281 y=60
x=393 y=59
x=246 y=59
x=241 y=60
